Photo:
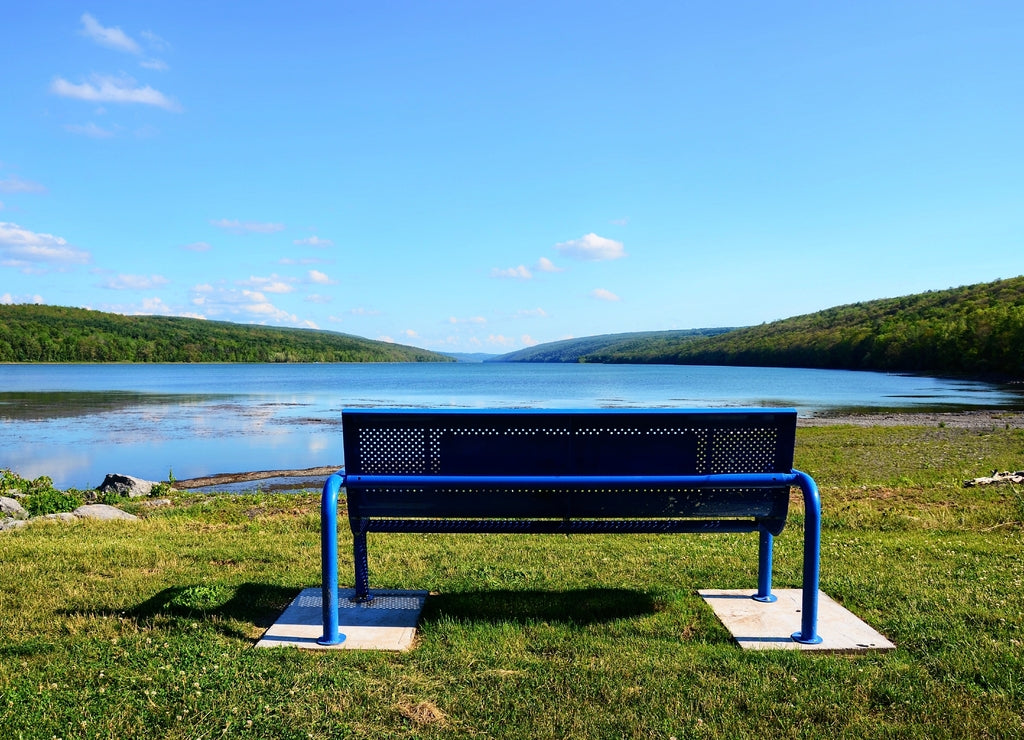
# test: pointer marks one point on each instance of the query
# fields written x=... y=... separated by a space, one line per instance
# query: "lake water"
x=75 y=423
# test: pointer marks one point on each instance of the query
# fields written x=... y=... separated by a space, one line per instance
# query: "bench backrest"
x=590 y=443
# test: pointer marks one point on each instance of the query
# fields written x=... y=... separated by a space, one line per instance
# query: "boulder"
x=6 y=524
x=126 y=485
x=11 y=508
x=102 y=511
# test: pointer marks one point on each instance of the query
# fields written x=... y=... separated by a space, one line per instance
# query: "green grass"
x=146 y=629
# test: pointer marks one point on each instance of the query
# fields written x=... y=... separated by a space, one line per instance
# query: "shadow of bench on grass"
x=580 y=606
x=215 y=604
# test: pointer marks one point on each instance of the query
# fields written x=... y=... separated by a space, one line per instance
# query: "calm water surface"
x=75 y=423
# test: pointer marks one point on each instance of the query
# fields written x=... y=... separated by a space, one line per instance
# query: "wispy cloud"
x=89 y=129
x=14 y=184
x=33 y=251
x=303 y=261
x=470 y=320
x=319 y=278
x=604 y=295
x=531 y=313
x=112 y=38
x=272 y=284
x=247 y=227
x=249 y=305
x=7 y=299
x=109 y=89
x=197 y=247
x=592 y=247
x=313 y=241
x=515 y=273
x=136 y=282
x=546 y=265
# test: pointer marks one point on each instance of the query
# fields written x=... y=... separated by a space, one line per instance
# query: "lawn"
x=146 y=629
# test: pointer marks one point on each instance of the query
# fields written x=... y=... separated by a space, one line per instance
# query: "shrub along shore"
x=145 y=629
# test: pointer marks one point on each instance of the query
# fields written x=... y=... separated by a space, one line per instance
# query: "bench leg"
x=362 y=593
x=764 y=568
x=808 y=633
x=329 y=560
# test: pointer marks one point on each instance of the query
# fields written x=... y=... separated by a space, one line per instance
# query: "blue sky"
x=483 y=176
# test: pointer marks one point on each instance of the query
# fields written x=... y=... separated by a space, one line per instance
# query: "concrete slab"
x=386 y=623
x=758 y=626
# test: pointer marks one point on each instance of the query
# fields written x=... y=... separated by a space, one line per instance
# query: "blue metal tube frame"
x=329 y=559
x=808 y=634
x=812 y=527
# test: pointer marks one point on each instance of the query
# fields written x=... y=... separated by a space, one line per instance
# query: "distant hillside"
x=970 y=330
x=60 y=334
x=629 y=347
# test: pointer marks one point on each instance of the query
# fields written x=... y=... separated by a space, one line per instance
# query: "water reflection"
x=78 y=423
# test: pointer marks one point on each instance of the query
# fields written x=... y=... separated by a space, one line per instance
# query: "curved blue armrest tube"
x=329 y=559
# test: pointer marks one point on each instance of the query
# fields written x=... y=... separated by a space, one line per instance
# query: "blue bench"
x=581 y=471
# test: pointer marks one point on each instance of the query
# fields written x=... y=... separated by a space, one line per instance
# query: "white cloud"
x=319 y=278
x=515 y=273
x=136 y=282
x=546 y=265
x=89 y=129
x=313 y=241
x=530 y=313
x=604 y=295
x=470 y=320
x=303 y=261
x=23 y=248
x=273 y=284
x=591 y=247
x=197 y=247
x=620 y=221
x=528 y=341
x=410 y=333
x=112 y=38
x=154 y=64
x=245 y=305
x=14 y=184
x=155 y=306
x=317 y=298
x=385 y=338
x=247 y=227
x=154 y=41
x=501 y=340
x=107 y=89
x=7 y=299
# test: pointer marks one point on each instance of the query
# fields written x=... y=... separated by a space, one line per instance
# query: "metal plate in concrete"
x=758 y=626
x=386 y=623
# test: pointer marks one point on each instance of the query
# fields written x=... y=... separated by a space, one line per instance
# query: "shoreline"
x=977 y=420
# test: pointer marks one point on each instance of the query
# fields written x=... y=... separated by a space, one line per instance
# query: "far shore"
x=978 y=420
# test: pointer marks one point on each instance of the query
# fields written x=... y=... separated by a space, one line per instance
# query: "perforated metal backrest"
x=547 y=442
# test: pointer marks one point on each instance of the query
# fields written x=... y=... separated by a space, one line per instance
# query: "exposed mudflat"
x=979 y=420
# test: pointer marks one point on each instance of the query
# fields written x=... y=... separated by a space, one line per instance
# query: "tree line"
x=33 y=333
x=970 y=330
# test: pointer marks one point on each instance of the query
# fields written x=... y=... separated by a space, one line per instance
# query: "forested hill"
x=30 y=333
x=971 y=330
x=628 y=347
